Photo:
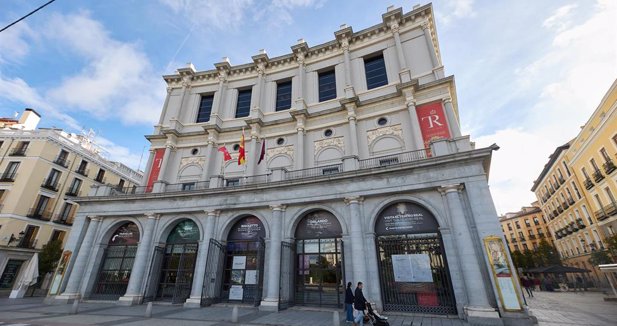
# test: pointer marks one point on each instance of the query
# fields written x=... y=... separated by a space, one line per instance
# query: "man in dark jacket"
x=359 y=303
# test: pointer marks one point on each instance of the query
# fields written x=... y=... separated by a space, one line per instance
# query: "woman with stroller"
x=349 y=303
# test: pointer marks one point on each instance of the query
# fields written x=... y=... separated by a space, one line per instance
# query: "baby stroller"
x=375 y=318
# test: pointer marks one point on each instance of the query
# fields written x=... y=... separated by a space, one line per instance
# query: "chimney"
x=29 y=119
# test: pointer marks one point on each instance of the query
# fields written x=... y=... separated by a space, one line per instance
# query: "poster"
x=412 y=268
x=402 y=218
x=156 y=168
x=502 y=273
x=250 y=277
x=239 y=262
x=237 y=277
x=433 y=122
x=56 y=281
x=236 y=292
x=248 y=228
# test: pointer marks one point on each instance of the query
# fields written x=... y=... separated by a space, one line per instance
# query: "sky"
x=528 y=73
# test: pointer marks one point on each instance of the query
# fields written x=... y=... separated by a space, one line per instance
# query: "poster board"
x=236 y=292
x=56 y=281
x=502 y=274
x=412 y=268
x=250 y=277
x=239 y=262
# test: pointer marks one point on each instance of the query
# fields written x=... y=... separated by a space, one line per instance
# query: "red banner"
x=433 y=122
x=156 y=168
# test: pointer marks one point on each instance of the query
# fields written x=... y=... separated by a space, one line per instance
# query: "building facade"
x=525 y=229
x=43 y=171
x=577 y=188
x=365 y=177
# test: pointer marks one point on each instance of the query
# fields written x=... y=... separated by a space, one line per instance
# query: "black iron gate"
x=213 y=278
x=177 y=270
x=287 y=281
x=154 y=274
x=436 y=297
x=114 y=272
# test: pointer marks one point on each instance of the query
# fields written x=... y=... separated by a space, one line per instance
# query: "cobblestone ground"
x=572 y=308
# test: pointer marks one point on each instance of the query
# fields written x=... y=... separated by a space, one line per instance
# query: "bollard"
x=336 y=318
x=234 y=314
x=75 y=306
x=149 y=310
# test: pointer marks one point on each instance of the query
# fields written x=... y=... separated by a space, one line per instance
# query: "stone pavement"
x=572 y=308
x=32 y=311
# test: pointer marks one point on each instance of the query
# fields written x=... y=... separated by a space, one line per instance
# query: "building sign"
x=156 y=168
x=127 y=234
x=10 y=273
x=502 y=274
x=54 y=287
x=412 y=268
x=319 y=224
x=404 y=218
x=185 y=231
x=433 y=122
x=248 y=228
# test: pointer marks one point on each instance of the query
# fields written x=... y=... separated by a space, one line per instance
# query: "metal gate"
x=287 y=281
x=435 y=297
x=254 y=292
x=177 y=270
x=213 y=278
x=114 y=272
x=154 y=274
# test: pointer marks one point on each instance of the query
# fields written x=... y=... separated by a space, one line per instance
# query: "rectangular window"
x=375 y=69
x=10 y=172
x=121 y=184
x=327 y=85
x=82 y=168
x=283 y=95
x=66 y=212
x=74 y=188
x=51 y=182
x=205 y=108
x=605 y=155
x=243 y=107
x=41 y=207
x=100 y=176
x=188 y=186
x=57 y=235
x=332 y=170
x=21 y=148
x=232 y=182
x=566 y=167
x=609 y=193
x=28 y=240
x=388 y=161
x=578 y=194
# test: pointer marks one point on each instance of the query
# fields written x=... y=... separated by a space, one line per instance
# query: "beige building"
x=525 y=229
x=577 y=188
x=41 y=172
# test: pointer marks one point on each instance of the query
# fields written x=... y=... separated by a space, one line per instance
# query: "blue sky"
x=528 y=73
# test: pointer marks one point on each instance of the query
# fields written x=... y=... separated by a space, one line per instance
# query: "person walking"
x=359 y=304
x=528 y=284
x=349 y=303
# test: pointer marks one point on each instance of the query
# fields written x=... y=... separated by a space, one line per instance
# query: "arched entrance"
x=413 y=270
x=178 y=263
x=319 y=260
x=118 y=258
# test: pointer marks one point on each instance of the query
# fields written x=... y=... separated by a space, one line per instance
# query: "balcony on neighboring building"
x=50 y=184
x=72 y=192
x=522 y=239
x=514 y=240
x=27 y=243
x=62 y=161
x=598 y=176
x=588 y=183
x=571 y=201
x=44 y=215
x=560 y=209
x=64 y=220
x=532 y=236
x=8 y=177
x=561 y=180
x=565 y=205
x=609 y=167
x=83 y=172
x=18 y=151
x=606 y=212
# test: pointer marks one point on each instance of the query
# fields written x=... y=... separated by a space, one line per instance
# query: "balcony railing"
x=588 y=183
x=100 y=180
x=50 y=184
x=383 y=161
x=62 y=161
x=27 y=243
x=8 y=177
x=570 y=201
x=18 y=151
x=244 y=181
x=561 y=180
x=514 y=240
x=598 y=176
x=83 y=172
x=314 y=172
x=38 y=214
x=532 y=236
x=130 y=191
x=64 y=220
x=606 y=212
x=72 y=192
x=522 y=239
x=178 y=187
x=609 y=167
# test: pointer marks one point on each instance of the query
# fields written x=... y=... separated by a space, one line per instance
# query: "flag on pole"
x=226 y=155
x=262 y=155
x=242 y=156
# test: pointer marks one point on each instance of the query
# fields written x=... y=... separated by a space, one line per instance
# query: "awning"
x=556 y=269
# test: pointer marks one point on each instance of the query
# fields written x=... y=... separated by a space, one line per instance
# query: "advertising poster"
x=248 y=228
x=156 y=168
x=412 y=268
x=236 y=292
x=404 y=218
x=239 y=262
x=250 y=277
x=433 y=122
x=502 y=273
x=237 y=277
x=54 y=287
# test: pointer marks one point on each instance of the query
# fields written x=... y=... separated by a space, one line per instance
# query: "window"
x=610 y=196
x=283 y=95
x=578 y=194
x=535 y=246
x=331 y=170
x=29 y=238
x=10 y=172
x=328 y=133
x=536 y=221
x=510 y=226
x=121 y=184
x=598 y=200
x=527 y=223
x=40 y=208
x=65 y=214
x=382 y=121
x=205 y=108
x=280 y=141
x=375 y=69
x=525 y=247
x=188 y=186
x=233 y=182
x=593 y=163
x=518 y=226
x=327 y=85
x=57 y=235
x=243 y=107
x=21 y=148
x=100 y=176
x=605 y=155
x=565 y=166
x=585 y=173
x=74 y=188
x=51 y=182
x=388 y=161
x=82 y=168
x=62 y=156
x=560 y=174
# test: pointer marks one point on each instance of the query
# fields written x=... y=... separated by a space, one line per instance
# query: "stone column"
x=455 y=128
x=300 y=146
x=301 y=75
x=470 y=263
x=353 y=132
x=258 y=89
x=205 y=174
x=134 y=293
x=144 y=180
x=200 y=264
x=72 y=290
x=357 y=240
x=217 y=101
x=429 y=43
x=252 y=157
x=404 y=73
x=415 y=123
x=274 y=260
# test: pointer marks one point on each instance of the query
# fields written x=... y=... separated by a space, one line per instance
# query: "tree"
x=611 y=246
x=599 y=257
x=546 y=255
x=518 y=259
x=49 y=256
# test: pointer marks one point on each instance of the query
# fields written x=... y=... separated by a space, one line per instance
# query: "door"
x=243 y=274
x=154 y=274
x=114 y=273
x=176 y=277
x=319 y=273
x=286 y=284
x=213 y=278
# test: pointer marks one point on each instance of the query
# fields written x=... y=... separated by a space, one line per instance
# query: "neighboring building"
x=42 y=172
x=365 y=176
x=578 y=186
x=526 y=228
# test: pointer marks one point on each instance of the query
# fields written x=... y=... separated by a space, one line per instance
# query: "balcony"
x=83 y=172
x=598 y=176
x=72 y=192
x=235 y=182
x=18 y=151
x=588 y=184
x=514 y=240
x=532 y=236
x=606 y=212
x=565 y=205
x=561 y=180
x=64 y=220
x=62 y=161
x=44 y=215
x=384 y=161
x=27 y=243
x=555 y=213
x=522 y=239
x=560 y=209
x=50 y=184
x=100 y=180
x=8 y=177
x=570 y=201
x=609 y=167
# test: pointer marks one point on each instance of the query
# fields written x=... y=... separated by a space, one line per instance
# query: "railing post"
x=350 y=163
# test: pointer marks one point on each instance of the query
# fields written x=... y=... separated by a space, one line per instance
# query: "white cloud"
x=13 y=43
x=561 y=19
x=455 y=9
x=118 y=153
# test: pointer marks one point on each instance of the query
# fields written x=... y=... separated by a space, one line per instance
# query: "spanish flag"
x=242 y=156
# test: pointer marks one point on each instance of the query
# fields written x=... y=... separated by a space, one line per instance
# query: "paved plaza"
x=554 y=308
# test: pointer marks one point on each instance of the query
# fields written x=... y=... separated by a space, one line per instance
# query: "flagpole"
x=223 y=163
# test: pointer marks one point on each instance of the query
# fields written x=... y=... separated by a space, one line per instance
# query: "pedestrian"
x=536 y=283
x=349 y=303
x=527 y=284
x=579 y=283
x=359 y=304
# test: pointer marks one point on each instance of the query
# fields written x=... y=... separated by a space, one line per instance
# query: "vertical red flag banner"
x=156 y=168
x=433 y=122
x=262 y=154
x=242 y=153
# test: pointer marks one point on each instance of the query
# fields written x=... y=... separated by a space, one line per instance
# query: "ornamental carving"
x=285 y=150
x=329 y=142
x=395 y=130
x=198 y=160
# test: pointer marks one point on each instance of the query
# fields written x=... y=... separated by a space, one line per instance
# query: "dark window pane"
x=375 y=69
x=327 y=85
x=244 y=103
x=283 y=96
x=205 y=108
